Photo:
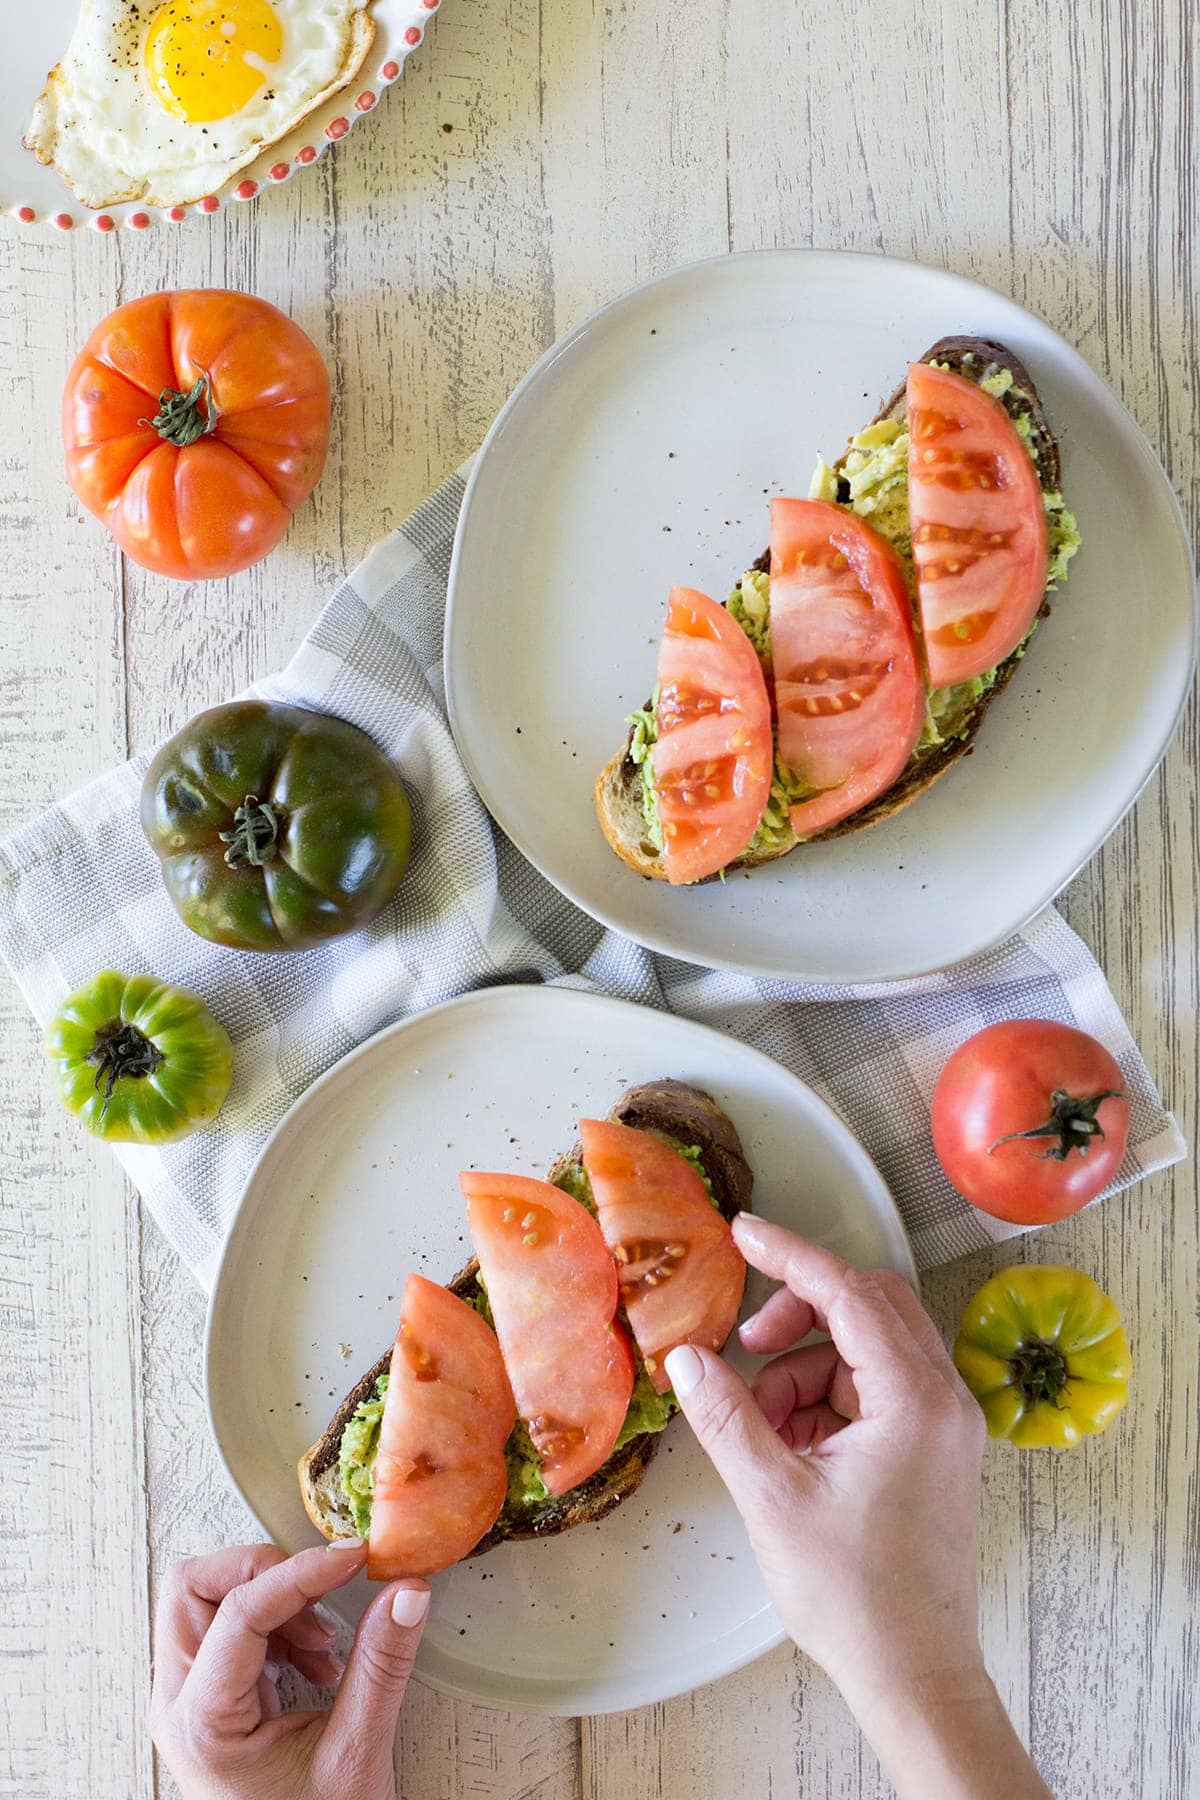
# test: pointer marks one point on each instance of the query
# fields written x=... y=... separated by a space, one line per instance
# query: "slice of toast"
x=670 y=1109
x=618 y=789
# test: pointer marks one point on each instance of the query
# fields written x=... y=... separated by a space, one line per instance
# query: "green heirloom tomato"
x=277 y=828
x=1043 y=1352
x=139 y=1061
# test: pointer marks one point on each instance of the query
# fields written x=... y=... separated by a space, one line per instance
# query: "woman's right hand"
x=868 y=1545
x=856 y=1467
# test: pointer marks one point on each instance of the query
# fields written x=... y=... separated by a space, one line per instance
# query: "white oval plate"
x=359 y=1185
x=37 y=195
x=640 y=451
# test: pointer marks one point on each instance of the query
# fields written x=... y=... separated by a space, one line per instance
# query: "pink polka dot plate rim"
x=32 y=195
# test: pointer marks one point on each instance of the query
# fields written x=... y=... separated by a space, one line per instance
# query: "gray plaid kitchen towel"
x=81 y=891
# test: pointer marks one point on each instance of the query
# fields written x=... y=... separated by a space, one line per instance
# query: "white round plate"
x=37 y=195
x=358 y=1186
x=640 y=452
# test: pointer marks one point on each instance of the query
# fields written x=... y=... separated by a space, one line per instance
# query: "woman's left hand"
x=226 y=1624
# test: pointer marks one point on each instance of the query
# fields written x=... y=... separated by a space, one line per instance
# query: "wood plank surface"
x=532 y=162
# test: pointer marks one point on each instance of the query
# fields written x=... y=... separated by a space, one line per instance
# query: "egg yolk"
x=206 y=59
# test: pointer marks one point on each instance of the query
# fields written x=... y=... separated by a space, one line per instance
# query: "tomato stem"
x=122 y=1052
x=1073 y=1122
x=255 y=835
x=1039 y=1370
x=180 y=419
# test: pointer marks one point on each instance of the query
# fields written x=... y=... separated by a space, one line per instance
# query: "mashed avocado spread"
x=648 y=1411
x=356 y=1456
x=873 y=483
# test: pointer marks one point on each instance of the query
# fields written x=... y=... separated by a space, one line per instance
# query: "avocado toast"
x=870 y=480
x=335 y=1472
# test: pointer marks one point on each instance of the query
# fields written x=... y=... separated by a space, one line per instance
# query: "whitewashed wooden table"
x=534 y=160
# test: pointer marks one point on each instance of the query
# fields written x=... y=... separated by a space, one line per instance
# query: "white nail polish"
x=745 y=1325
x=271 y=1669
x=410 y=1605
x=348 y=1544
x=685 y=1370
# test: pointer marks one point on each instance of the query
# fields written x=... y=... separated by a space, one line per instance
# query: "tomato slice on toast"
x=713 y=762
x=979 y=534
x=849 y=691
x=440 y=1477
x=552 y=1288
x=681 y=1274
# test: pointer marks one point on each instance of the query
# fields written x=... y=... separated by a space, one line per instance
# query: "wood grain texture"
x=533 y=161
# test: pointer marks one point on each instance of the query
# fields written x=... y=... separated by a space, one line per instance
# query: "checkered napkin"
x=80 y=890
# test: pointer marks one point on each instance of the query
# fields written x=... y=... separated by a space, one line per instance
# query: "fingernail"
x=409 y=1605
x=327 y=1625
x=746 y=1324
x=355 y=1544
x=684 y=1370
x=271 y=1669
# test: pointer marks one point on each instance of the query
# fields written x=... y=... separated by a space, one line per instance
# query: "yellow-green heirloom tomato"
x=1043 y=1352
x=138 y=1061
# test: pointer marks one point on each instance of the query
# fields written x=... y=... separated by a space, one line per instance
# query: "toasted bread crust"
x=668 y=1108
x=618 y=786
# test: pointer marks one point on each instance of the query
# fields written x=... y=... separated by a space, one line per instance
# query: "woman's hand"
x=856 y=1467
x=869 y=1544
x=226 y=1623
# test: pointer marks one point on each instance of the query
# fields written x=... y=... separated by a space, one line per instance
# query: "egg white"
x=109 y=137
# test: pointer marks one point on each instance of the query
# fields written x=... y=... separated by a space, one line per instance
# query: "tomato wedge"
x=713 y=762
x=553 y=1293
x=681 y=1274
x=849 y=692
x=979 y=533
x=440 y=1476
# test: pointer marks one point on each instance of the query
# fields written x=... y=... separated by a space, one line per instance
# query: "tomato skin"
x=979 y=533
x=714 y=759
x=440 y=1477
x=1003 y=1081
x=682 y=1277
x=1027 y=1330
x=849 y=693
x=191 y=1055
x=340 y=809
x=214 y=506
x=552 y=1288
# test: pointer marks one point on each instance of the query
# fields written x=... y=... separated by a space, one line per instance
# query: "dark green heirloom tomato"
x=277 y=828
x=139 y=1061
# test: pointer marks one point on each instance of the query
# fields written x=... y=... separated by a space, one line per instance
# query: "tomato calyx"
x=1072 y=1121
x=1039 y=1371
x=181 y=419
x=255 y=835
x=122 y=1052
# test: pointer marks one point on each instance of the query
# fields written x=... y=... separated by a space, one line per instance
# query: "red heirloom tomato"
x=712 y=762
x=681 y=1274
x=440 y=1475
x=978 y=525
x=848 y=686
x=1030 y=1120
x=194 y=424
x=552 y=1288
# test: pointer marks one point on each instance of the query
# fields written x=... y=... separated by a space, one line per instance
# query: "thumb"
x=746 y=1453
x=361 y=1732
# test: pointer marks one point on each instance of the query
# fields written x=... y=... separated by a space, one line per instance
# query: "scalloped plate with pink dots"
x=35 y=195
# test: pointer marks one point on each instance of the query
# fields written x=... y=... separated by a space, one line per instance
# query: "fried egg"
x=163 y=100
